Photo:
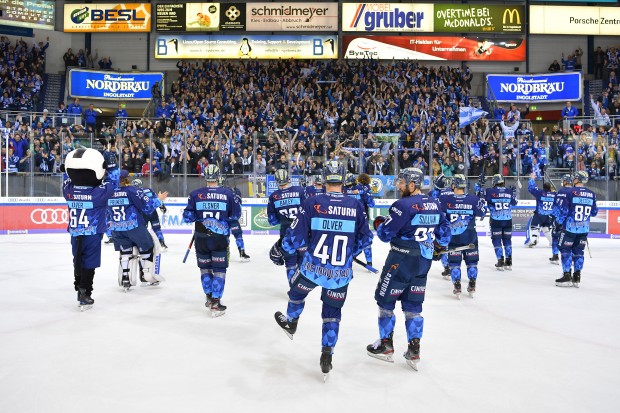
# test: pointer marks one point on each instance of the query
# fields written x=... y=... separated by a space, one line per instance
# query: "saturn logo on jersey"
x=319 y=210
x=41 y=216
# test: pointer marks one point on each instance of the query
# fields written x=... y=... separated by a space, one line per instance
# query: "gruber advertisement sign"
x=387 y=17
x=112 y=85
x=433 y=48
x=559 y=87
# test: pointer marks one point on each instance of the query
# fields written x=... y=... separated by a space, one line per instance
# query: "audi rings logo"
x=42 y=216
x=233 y=13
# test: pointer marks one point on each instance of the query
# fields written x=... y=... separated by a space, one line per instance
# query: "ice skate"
x=471 y=288
x=576 y=279
x=382 y=349
x=109 y=241
x=145 y=283
x=217 y=308
x=164 y=247
x=126 y=284
x=533 y=243
x=457 y=289
x=508 y=264
x=500 y=264
x=85 y=300
x=289 y=327
x=369 y=263
x=555 y=259
x=412 y=355
x=244 y=257
x=326 y=361
x=209 y=300
x=446 y=272
x=565 y=281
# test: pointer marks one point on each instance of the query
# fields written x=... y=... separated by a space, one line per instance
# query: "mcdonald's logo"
x=513 y=15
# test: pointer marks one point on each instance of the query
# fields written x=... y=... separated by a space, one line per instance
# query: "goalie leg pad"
x=128 y=265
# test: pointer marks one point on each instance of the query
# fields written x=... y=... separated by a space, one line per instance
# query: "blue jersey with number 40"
x=577 y=209
x=332 y=229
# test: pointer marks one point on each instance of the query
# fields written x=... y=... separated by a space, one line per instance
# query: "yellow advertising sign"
x=107 y=17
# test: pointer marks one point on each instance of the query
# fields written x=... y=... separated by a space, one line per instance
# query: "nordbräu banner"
x=112 y=85
x=434 y=48
x=559 y=87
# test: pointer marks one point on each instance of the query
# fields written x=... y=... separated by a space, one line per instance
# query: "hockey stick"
x=189 y=248
x=457 y=249
x=363 y=264
x=588 y=245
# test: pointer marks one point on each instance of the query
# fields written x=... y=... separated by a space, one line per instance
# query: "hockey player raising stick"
x=87 y=198
x=461 y=210
x=542 y=219
x=153 y=218
x=212 y=209
x=126 y=210
x=415 y=227
x=331 y=229
x=500 y=201
x=575 y=212
x=282 y=209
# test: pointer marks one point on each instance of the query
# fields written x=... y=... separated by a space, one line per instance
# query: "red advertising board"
x=34 y=218
x=613 y=221
x=434 y=48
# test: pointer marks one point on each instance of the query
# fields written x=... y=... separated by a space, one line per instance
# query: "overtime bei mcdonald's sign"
x=479 y=18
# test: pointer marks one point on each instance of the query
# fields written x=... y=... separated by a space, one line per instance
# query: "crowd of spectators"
x=22 y=66
x=84 y=59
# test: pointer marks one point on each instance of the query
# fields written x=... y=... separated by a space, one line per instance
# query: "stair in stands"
x=54 y=91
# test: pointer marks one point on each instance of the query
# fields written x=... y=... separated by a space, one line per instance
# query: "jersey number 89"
x=582 y=212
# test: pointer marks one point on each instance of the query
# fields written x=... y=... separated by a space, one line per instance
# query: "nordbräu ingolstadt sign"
x=112 y=85
x=560 y=87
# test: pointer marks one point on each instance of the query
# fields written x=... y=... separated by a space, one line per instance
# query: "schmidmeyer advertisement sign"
x=535 y=88
x=292 y=17
x=112 y=85
x=575 y=20
x=387 y=17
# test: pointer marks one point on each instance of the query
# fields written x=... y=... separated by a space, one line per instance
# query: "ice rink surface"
x=521 y=345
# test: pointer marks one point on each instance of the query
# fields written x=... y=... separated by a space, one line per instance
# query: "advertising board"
x=560 y=87
x=30 y=14
x=107 y=17
x=112 y=85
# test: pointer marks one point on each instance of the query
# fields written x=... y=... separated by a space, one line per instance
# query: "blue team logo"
x=79 y=15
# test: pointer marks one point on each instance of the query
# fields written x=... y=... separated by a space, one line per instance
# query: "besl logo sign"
x=108 y=17
x=387 y=17
x=535 y=88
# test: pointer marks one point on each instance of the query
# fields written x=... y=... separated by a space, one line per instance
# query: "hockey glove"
x=276 y=254
x=163 y=208
x=378 y=221
x=437 y=251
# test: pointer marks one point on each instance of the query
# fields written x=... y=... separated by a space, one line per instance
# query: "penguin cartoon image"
x=176 y=44
x=483 y=50
x=331 y=44
x=245 y=49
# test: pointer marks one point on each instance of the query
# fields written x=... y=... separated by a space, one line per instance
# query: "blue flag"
x=467 y=115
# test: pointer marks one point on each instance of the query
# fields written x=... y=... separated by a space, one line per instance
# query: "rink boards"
x=49 y=215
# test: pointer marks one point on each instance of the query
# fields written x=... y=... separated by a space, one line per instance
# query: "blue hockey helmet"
x=212 y=173
x=333 y=172
x=303 y=181
x=459 y=181
x=567 y=179
x=581 y=177
x=349 y=179
x=409 y=175
x=497 y=179
x=282 y=178
x=318 y=179
x=137 y=182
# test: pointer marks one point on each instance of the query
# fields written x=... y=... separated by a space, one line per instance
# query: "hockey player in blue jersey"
x=153 y=217
x=126 y=211
x=331 y=229
x=442 y=186
x=354 y=190
x=316 y=188
x=461 y=210
x=500 y=201
x=237 y=232
x=542 y=218
x=575 y=212
x=567 y=184
x=87 y=197
x=113 y=171
x=212 y=209
x=415 y=228
x=282 y=209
